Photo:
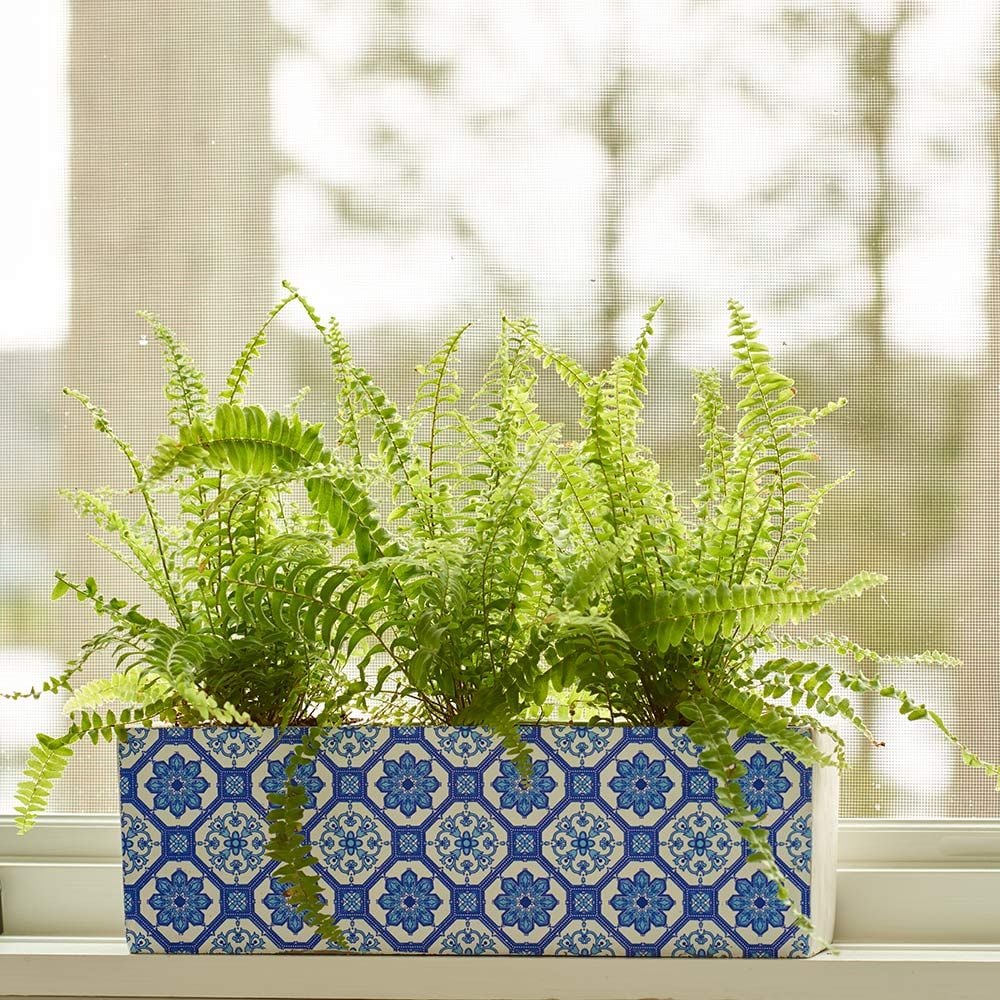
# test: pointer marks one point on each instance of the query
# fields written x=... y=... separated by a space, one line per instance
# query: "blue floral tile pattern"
x=525 y=901
x=407 y=784
x=177 y=784
x=409 y=901
x=642 y=902
x=756 y=903
x=179 y=901
x=764 y=784
x=430 y=840
x=525 y=793
x=305 y=775
x=641 y=784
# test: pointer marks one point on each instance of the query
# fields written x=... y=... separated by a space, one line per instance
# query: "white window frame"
x=918 y=915
x=914 y=883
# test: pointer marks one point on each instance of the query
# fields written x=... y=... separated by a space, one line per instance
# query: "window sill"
x=100 y=967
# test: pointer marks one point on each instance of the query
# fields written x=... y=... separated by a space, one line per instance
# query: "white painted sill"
x=918 y=916
x=95 y=968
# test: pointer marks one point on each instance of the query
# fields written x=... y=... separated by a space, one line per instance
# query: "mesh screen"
x=411 y=166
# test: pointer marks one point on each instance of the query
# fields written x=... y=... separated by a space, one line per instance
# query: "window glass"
x=415 y=165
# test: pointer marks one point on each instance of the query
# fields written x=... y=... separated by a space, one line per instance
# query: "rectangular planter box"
x=429 y=841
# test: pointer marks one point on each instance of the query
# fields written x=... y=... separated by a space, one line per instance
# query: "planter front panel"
x=429 y=841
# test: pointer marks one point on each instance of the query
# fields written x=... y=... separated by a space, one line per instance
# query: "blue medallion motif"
x=641 y=784
x=351 y=842
x=524 y=793
x=525 y=902
x=283 y=914
x=583 y=842
x=757 y=904
x=407 y=784
x=235 y=841
x=642 y=902
x=305 y=775
x=763 y=784
x=466 y=843
x=409 y=901
x=177 y=784
x=700 y=843
x=180 y=902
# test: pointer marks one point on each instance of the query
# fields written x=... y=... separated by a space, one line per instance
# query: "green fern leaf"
x=185 y=386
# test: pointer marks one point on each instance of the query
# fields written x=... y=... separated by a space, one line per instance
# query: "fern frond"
x=592 y=652
x=862 y=684
x=289 y=846
x=847 y=647
x=773 y=723
x=802 y=530
x=133 y=688
x=176 y=659
x=48 y=758
x=311 y=599
x=47 y=761
x=436 y=401
x=669 y=617
x=239 y=375
x=185 y=386
x=809 y=683
x=52 y=685
x=717 y=451
x=138 y=541
x=713 y=731
x=244 y=439
x=156 y=524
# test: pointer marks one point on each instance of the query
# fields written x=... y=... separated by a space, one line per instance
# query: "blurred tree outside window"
x=415 y=164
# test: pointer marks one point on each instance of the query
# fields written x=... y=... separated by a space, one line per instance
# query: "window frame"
x=913 y=883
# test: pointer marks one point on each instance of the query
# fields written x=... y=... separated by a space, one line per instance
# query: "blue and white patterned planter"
x=430 y=842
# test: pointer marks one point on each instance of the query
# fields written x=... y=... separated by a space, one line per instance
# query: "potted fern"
x=347 y=736
x=222 y=710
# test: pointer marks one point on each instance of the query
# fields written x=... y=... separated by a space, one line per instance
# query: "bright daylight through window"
x=416 y=165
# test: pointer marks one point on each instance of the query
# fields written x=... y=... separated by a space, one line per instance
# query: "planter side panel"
x=430 y=841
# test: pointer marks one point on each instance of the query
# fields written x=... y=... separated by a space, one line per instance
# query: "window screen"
x=414 y=165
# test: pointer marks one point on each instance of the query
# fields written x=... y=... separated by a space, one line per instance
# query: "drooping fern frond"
x=48 y=758
x=914 y=711
x=713 y=729
x=51 y=685
x=289 y=846
x=847 y=647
